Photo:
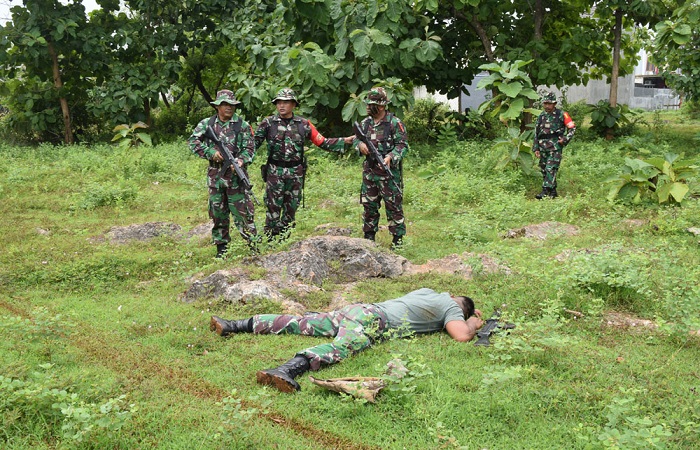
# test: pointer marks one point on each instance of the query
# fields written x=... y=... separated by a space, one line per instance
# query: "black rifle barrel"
x=374 y=152
x=230 y=161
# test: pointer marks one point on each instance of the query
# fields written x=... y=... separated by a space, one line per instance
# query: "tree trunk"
x=538 y=23
x=202 y=89
x=617 y=33
x=165 y=100
x=58 y=84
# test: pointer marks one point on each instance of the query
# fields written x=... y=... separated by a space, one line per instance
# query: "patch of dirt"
x=543 y=231
x=616 y=319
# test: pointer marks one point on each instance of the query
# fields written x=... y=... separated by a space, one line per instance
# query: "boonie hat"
x=549 y=97
x=225 y=96
x=286 y=94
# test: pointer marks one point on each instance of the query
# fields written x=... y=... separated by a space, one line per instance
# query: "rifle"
x=373 y=152
x=491 y=326
x=229 y=161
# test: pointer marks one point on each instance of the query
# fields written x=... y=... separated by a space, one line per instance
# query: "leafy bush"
x=619 y=276
x=98 y=195
x=665 y=178
x=425 y=119
x=65 y=412
x=608 y=121
x=128 y=136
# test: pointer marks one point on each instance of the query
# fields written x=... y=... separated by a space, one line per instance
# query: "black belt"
x=286 y=164
x=547 y=136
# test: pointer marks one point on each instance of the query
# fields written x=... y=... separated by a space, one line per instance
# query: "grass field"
x=98 y=351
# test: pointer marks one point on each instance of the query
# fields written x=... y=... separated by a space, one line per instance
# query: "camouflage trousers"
x=374 y=190
x=227 y=198
x=283 y=191
x=355 y=328
x=550 y=159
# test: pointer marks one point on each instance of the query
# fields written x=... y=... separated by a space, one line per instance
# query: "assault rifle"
x=491 y=326
x=373 y=152
x=229 y=160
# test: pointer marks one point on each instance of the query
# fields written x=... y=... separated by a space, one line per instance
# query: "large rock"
x=142 y=232
x=307 y=264
x=342 y=258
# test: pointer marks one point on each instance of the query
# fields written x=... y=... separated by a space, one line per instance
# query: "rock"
x=142 y=232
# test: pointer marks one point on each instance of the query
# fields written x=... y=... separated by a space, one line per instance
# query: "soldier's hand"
x=537 y=153
x=217 y=158
x=363 y=148
x=561 y=140
x=239 y=161
x=387 y=161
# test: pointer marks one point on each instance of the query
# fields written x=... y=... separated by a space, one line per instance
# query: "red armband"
x=316 y=137
x=568 y=122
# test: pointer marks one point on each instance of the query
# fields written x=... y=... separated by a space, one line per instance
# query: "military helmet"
x=286 y=94
x=225 y=96
x=549 y=97
x=377 y=96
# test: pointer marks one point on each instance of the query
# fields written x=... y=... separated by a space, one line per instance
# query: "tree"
x=677 y=49
x=633 y=16
x=41 y=31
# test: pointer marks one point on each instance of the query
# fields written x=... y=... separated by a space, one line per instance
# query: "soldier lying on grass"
x=355 y=328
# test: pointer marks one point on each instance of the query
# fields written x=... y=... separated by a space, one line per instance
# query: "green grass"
x=82 y=316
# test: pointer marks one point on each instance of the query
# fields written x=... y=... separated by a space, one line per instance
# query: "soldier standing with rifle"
x=228 y=193
x=388 y=135
x=554 y=130
x=284 y=172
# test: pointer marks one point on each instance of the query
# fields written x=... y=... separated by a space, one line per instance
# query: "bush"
x=425 y=119
x=178 y=121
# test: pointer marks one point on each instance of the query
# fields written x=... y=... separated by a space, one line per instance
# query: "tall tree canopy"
x=117 y=65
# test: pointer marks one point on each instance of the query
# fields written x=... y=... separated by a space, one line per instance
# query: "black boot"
x=542 y=194
x=283 y=376
x=553 y=193
x=370 y=236
x=221 y=250
x=224 y=327
x=397 y=242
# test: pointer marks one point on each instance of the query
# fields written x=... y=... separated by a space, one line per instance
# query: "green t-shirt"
x=421 y=311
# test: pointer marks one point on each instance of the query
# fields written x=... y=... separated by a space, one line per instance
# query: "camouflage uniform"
x=226 y=192
x=358 y=326
x=389 y=136
x=549 y=128
x=285 y=169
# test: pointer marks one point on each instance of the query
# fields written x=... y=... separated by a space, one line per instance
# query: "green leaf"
x=511 y=89
x=145 y=138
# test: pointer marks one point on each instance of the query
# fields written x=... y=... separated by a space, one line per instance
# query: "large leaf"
x=511 y=89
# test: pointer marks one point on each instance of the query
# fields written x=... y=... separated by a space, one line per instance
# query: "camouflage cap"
x=549 y=97
x=286 y=94
x=377 y=96
x=225 y=96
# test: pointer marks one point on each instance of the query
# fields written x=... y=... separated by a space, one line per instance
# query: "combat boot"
x=224 y=327
x=553 y=193
x=221 y=250
x=370 y=236
x=283 y=376
x=542 y=194
x=396 y=242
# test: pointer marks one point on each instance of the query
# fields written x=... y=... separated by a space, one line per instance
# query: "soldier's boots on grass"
x=282 y=377
x=221 y=250
x=547 y=192
x=370 y=236
x=396 y=242
x=224 y=327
